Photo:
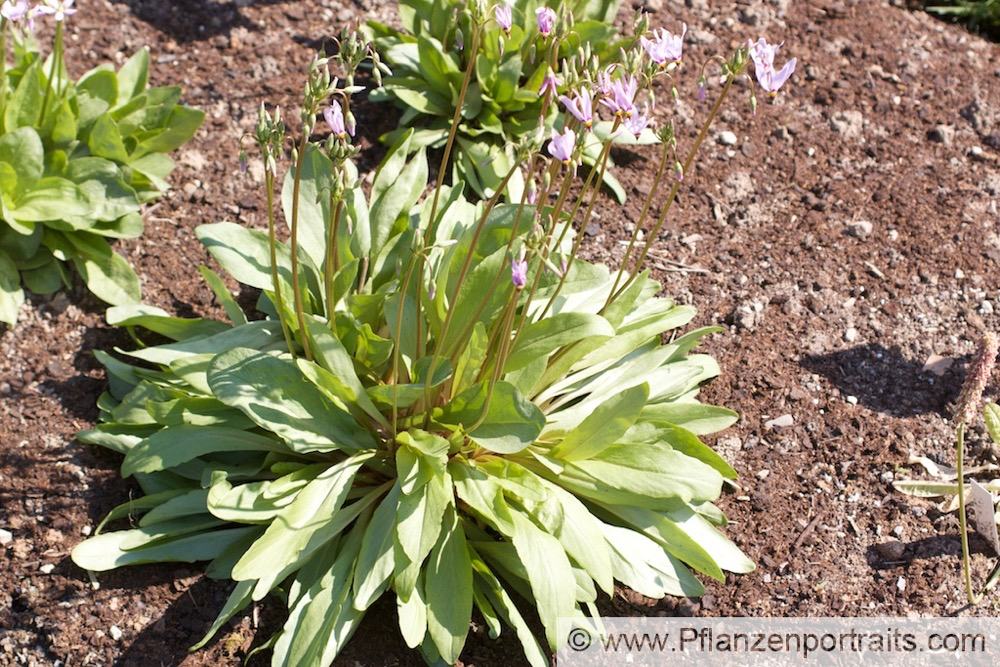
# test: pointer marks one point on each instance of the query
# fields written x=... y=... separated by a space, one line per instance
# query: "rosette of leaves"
x=429 y=58
x=312 y=477
x=77 y=161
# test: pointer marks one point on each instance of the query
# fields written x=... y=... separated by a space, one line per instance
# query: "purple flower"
x=582 y=108
x=604 y=84
x=763 y=54
x=13 y=10
x=622 y=98
x=244 y=162
x=637 y=123
x=504 y=16
x=334 y=117
x=546 y=18
x=59 y=9
x=549 y=84
x=519 y=272
x=665 y=47
x=561 y=145
x=702 y=89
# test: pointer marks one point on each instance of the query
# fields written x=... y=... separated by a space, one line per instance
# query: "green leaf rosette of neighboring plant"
x=523 y=60
x=77 y=161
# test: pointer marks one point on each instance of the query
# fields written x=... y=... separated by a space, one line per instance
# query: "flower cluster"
x=16 y=11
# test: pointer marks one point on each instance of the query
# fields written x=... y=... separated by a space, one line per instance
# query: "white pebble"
x=986 y=308
x=47 y=568
x=116 y=632
x=851 y=335
x=5 y=537
x=727 y=138
x=853 y=400
x=901 y=584
x=780 y=422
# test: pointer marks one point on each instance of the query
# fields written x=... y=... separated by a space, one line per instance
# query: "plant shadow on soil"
x=192 y=20
x=884 y=381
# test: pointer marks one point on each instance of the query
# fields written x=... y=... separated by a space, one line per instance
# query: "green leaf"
x=375 y=560
x=696 y=417
x=105 y=552
x=159 y=321
x=181 y=126
x=448 y=589
x=604 y=426
x=11 y=294
x=549 y=574
x=314 y=203
x=106 y=273
x=991 y=415
x=539 y=339
x=106 y=141
x=272 y=392
x=133 y=76
x=52 y=198
x=178 y=444
x=509 y=423
x=397 y=187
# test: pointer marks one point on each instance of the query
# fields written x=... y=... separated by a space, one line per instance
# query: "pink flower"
x=702 y=89
x=582 y=108
x=622 y=97
x=665 y=47
x=763 y=54
x=334 y=117
x=519 y=272
x=504 y=16
x=604 y=84
x=549 y=84
x=13 y=10
x=637 y=123
x=59 y=9
x=546 y=19
x=562 y=145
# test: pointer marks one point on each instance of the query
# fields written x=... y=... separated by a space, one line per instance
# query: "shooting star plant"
x=442 y=403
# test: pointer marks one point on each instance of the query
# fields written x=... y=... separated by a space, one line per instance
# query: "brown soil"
x=848 y=235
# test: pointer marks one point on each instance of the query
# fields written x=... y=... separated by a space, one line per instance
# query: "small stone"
x=976 y=153
x=47 y=568
x=897 y=531
x=5 y=537
x=901 y=584
x=853 y=400
x=851 y=335
x=986 y=308
x=859 y=228
x=959 y=274
x=942 y=134
x=727 y=138
x=116 y=632
x=763 y=474
x=891 y=550
x=798 y=394
x=593 y=229
x=784 y=421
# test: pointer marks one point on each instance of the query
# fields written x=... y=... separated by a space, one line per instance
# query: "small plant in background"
x=521 y=58
x=77 y=161
x=966 y=409
x=443 y=400
x=979 y=14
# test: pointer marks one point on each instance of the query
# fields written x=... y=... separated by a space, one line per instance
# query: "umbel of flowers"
x=443 y=402
x=77 y=161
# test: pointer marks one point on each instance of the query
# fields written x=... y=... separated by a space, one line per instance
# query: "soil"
x=848 y=237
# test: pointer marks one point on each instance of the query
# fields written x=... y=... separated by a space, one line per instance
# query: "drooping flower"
x=504 y=16
x=763 y=54
x=621 y=99
x=14 y=10
x=546 y=18
x=549 y=84
x=638 y=122
x=58 y=9
x=519 y=272
x=582 y=107
x=604 y=83
x=702 y=89
x=665 y=47
x=561 y=145
x=334 y=117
